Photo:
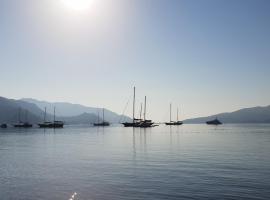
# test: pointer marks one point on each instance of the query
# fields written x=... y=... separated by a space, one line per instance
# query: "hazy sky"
x=204 y=56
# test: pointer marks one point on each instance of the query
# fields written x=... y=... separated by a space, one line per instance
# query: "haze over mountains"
x=9 y=111
x=33 y=111
x=70 y=110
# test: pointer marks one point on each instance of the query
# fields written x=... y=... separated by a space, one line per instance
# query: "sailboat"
x=21 y=124
x=103 y=123
x=54 y=124
x=145 y=123
x=135 y=122
x=173 y=123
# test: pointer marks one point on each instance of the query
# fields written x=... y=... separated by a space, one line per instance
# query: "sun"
x=77 y=5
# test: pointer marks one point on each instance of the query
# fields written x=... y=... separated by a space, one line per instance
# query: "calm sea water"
x=114 y=163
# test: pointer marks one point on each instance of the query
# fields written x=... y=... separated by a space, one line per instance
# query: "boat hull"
x=213 y=122
x=145 y=124
x=3 y=125
x=174 y=123
x=102 y=124
x=23 y=125
x=131 y=124
x=51 y=125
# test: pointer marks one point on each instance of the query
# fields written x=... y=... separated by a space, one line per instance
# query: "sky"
x=205 y=57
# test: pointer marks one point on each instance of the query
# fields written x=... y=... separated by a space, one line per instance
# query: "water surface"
x=114 y=163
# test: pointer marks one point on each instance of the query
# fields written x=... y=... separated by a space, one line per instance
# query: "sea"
x=199 y=161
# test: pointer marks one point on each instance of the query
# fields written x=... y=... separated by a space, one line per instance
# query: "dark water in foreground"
x=114 y=163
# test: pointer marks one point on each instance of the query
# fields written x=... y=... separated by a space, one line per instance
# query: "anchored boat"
x=214 y=122
x=54 y=124
x=3 y=125
x=103 y=123
x=145 y=123
x=173 y=123
x=135 y=122
x=21 y=124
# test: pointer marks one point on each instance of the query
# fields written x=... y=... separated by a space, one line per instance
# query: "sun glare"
x=77 y=5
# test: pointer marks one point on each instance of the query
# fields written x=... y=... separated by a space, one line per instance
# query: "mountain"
x=10 y=108
x=85 y=118
x=9 y=111
x=65 y=109
x=246 y=115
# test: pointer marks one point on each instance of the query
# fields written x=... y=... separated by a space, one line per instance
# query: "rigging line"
x=124 y=110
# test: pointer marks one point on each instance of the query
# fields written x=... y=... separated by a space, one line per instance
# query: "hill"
x=65 y=109
x=246 y=115
x=12 y=111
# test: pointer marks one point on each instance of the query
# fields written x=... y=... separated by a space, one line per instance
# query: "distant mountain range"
x=33 y=111
x=9 y=111
x=66 y=110
x=246 y=115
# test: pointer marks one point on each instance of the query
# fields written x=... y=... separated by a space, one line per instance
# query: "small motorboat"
x=3 y=125
x=214 y=122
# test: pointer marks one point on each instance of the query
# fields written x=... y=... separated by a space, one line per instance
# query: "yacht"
x=103 y=123
x=214 y=122
x=173 y=123
x=54 y=124
x=21 y=124
x=145 y=123
x=135 y=122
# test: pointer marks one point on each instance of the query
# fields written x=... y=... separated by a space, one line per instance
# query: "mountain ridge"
x=9 y=109
x=66 y=109
x=30 y=112
x=258 y=114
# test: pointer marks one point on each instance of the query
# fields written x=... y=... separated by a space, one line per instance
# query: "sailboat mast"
x=134 y=93
x=144 y=108
x=103 y=115
x=177 y=115
x=170 y=112
x=45 y=112
x=54 y=114
x=141 y=112
x=26 y=117
x=19 y=116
